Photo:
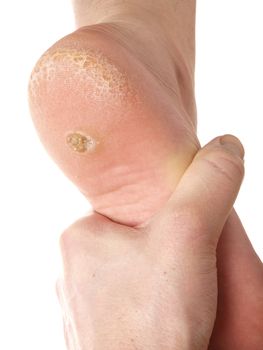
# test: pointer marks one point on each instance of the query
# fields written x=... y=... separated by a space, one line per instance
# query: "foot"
x=114 y=106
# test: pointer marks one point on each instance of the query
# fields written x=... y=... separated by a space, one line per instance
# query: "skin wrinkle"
x=70 y=329
x=151 y=7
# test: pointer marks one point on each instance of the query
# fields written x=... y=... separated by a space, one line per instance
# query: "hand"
x=239 y=321
x=153 y=287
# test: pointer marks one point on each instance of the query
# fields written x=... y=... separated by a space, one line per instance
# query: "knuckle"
x=226 y=164
x=66 y=239
x=72 y=236
x=70 y=245
x=81 y=232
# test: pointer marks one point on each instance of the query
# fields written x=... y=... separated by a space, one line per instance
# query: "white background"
x=38 y=202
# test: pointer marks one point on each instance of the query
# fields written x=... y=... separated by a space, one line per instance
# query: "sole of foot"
x=111 y=123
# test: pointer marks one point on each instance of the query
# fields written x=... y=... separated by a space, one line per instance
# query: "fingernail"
x=233 y=144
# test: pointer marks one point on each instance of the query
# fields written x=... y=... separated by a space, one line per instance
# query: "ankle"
x=174 y=20
x=162 y=31
x=90 y=12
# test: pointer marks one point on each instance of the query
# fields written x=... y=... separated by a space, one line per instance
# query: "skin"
x=239 y=322
x=116 y=107
x=127 y=288
x=148 y=95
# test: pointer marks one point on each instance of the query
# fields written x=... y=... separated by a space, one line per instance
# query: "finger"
x=209 y=187
x=235 y=253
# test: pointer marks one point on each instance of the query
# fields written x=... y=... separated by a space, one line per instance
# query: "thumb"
x=207 y=191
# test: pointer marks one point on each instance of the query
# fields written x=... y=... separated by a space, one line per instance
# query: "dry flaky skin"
x=90 y=66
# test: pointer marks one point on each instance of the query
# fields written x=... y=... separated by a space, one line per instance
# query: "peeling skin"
x=104 y=78
x=80 y=143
